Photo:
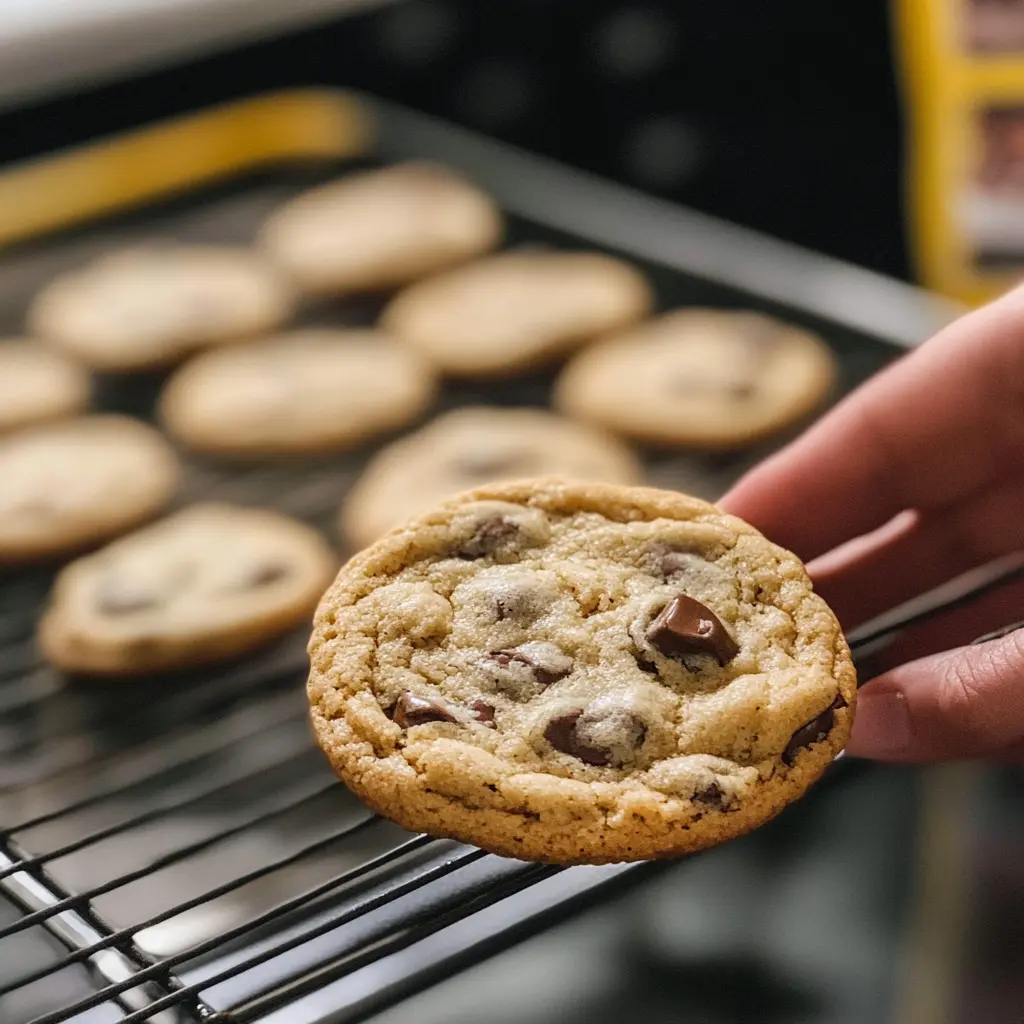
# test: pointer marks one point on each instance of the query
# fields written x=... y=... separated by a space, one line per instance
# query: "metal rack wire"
x=407 y=889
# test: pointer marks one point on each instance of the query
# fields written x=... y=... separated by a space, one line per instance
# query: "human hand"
x=927 y=459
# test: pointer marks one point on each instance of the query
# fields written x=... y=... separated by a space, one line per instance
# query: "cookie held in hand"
x=578 y=673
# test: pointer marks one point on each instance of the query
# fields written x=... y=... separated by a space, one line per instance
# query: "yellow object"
x=178 y=155
x=963 y=71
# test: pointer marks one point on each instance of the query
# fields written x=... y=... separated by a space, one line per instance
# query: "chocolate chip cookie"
x=152 y=305
x=578 y=672
x=306 y=391
x=37 y=385
x=517 y=310
x=207 y=583
x=378 y=229
x=697 y=377
x=472 y=446
x=79 y=482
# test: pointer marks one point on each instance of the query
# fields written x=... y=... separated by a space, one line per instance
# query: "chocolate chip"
x=483 y=464
x=673 y=562
x=646 y=665
x=410 y=710
x=265 y=574
x=561 y=734
x=489 y=535
x=483 y=712
x=711 y=795
x=813 y=731
x=685 y=626
x=545 y=661
x=120 y=597
x=574 y=733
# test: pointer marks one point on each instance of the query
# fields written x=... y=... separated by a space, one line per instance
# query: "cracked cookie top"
x=578 y=672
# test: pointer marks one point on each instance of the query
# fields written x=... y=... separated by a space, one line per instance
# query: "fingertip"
x=882 y=728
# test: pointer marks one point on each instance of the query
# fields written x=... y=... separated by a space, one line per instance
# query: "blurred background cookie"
x=698 y=377
x=471 y=446
x=152 y=305
x=37 y=384
x=211 y=581
x=378 y=229
x=305 y=391
x=70 y=484
x=512 y=312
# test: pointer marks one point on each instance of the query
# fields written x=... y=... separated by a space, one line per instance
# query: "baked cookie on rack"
x=37 y=384
x=578 y=673
x=152 y=305
x=378 y=229
x=209 y=582
x=516 y=311
x=79 y=482
x=311 y=390
x=700 y=378
x=472 y=446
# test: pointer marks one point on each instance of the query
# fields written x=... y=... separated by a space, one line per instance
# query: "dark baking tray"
x=199 y=778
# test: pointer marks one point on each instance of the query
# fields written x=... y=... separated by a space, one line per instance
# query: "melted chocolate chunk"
x=645 y=665
x=686 y=626
x=673 y=562
x=561 y=734
x=119 y=597
x=489 y=535
x=483 y=712
x=545 y=661
x=410 y=710
x=711 y=795
x=813 y=731
x=624 y=732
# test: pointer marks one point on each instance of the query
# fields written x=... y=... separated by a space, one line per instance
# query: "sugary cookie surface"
x=578 y=672
x=304 y=391
x=37 y=385
x=210 y=581
x=507 y=313
x=702 y=377
x=80 y=481
x=471 y=446
x=381 y=228
x=154 y=304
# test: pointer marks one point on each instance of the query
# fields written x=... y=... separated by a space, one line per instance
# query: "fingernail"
x=881 y=727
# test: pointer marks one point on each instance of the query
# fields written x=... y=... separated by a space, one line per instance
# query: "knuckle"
x=970 y=681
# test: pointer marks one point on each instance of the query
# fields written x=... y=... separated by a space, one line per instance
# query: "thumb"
x=963 y=703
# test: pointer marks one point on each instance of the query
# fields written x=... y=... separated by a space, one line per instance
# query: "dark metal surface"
x=176 y=844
